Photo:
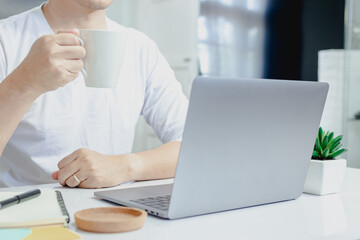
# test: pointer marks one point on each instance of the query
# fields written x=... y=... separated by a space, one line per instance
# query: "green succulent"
x=327 y=146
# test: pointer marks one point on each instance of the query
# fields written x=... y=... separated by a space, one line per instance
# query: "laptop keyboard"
x=159 y=202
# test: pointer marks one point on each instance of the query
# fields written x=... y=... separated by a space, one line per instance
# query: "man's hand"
x=93 y=170
x=53 y=61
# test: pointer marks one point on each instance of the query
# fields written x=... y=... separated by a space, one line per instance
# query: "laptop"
x=246 y=142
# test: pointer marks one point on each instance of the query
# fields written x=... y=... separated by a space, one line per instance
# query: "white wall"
x=338 y=68
x=172 y=24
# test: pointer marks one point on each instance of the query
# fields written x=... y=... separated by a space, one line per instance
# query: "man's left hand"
x=89 y=169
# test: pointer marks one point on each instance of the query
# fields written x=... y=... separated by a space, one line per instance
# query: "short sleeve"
x=2 y=62
x=165 y=105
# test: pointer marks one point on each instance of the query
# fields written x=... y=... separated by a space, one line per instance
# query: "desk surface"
x=335 y=216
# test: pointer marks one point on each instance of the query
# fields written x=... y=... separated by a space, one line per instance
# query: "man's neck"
x=67 y=14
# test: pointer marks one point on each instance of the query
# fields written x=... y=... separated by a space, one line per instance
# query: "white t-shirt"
x=62 y=121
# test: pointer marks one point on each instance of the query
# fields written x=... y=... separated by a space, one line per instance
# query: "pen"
x=20 y=198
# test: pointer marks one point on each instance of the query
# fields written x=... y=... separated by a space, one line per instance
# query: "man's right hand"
x=53 y=61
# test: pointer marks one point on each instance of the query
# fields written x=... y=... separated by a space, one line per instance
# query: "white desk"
x=335 y=216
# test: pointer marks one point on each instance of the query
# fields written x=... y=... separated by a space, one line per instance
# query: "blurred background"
x=313 y=40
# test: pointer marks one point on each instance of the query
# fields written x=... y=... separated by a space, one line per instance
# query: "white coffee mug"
x=104 y=56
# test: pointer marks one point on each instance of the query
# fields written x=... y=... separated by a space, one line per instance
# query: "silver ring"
x=76 y=179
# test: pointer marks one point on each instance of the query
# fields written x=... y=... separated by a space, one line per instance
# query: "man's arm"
x=96 y=170
x=53 y=61
x=155 y=164
x=15 y=100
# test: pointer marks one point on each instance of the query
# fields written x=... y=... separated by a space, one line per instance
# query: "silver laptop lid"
x=245 y=143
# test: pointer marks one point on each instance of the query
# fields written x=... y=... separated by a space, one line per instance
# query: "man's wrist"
x=17 y=83
x=134 y=162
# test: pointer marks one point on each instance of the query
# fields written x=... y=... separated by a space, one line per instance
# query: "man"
x=51 y=125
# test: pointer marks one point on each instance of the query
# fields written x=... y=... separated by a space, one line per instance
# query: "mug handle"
x=83 y=71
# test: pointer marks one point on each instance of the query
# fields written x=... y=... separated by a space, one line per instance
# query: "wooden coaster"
x=110 y=219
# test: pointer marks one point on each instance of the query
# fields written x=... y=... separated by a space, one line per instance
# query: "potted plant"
x=326 y=171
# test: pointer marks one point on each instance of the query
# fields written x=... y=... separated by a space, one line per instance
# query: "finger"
x=72 y=52
x=73 y=31
x=74 y=66
x=67 y=160
x=66 y=172
x=55 y=175
x=72 y=76
x=67 y=39
x=87 y=183
x=73 y=181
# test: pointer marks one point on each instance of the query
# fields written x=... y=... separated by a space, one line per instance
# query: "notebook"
x=45 y=210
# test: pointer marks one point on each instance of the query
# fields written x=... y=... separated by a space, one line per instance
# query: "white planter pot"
x=325 y=177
